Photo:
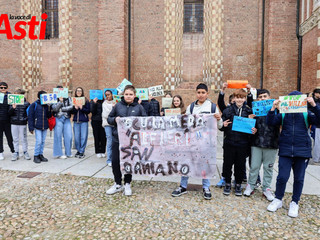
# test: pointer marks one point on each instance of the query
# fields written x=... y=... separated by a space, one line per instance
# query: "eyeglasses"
x=3 y=87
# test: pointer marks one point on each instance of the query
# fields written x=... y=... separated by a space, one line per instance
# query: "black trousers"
x=5 y=127
x=99 y=135
x=234 y=156
x=116 y=165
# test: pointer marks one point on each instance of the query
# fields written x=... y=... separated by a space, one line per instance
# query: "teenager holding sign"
x=177 y=102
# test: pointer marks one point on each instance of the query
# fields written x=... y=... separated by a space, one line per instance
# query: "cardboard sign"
x=15 y=99
x=293 y=104
x=172 y=111
x=237 y=83
x=48 y=98
x=61 y=92
x=122 y=85
x=142 y=93
x=1 y=97
x=113 y=90
x=166 y=102
x=241 y=124
x=261 y=108
x=156 y=91
x=117 y=98
x=96 y=93
x=165 y=146
x=79 y=101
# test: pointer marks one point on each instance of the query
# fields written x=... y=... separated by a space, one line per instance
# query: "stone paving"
x=68 y=201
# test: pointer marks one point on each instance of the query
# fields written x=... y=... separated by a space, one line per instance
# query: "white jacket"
x=106 y=109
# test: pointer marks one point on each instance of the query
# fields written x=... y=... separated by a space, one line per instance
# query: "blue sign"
x=97 y=93
x=48 y=98
x=122 y=85
x=113 y=90
x=261 y=108
x=241 y=124
x=1 y=97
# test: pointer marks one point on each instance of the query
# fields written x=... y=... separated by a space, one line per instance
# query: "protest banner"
x=261 y=108
x=15 y=99
x=293 y=104
x=79 y=101
x=172 y=111
x=48 y=98
x=117 y=98
x=237 y=83
x=156 y=91
x=241 y=124
x=96 y=93
x=122 y=85
x=1 y=97
x=142 y=93
x=113 y=90
x=166 y=102
x=165 y=146
x=61 y=92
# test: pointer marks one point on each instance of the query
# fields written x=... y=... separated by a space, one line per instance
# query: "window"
x=193 y=16
x=51 y=8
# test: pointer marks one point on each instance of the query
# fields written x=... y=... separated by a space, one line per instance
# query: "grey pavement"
x=91 y=166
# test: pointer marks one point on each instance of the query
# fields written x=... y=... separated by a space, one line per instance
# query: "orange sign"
x=237 y=83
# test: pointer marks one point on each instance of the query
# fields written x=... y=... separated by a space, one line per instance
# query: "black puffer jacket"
x=233 y=138
x=122 y=109
x=96 y=110
x=4 y=108
x=18 y=116
x=266 y=136
x=154 y=108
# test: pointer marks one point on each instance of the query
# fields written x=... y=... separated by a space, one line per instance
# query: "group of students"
x=292 y=143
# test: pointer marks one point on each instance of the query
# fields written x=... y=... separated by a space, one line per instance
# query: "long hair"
x=75 y=92
x=181 y=106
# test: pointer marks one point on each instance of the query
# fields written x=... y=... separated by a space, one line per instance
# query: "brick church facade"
x=174 y=43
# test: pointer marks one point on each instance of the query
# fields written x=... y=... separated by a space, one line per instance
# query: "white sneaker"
x=63 y=157
x=103 y=155
x=293 y=210
x=248 y=191
x=274 y=205
x=70 y=156
x=268 y=194
x=114 y=189
x=15 y=156
x=26 y=156
x=109 y=164
x=98 y=155
x=127 y=189
x=1 y=156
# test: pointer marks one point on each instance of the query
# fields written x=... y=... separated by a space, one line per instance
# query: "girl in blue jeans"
x=106 y=109
x=80 y=123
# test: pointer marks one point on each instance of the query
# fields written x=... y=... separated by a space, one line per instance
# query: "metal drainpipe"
x=262 y=43
x=299 y=46
x=129 y=40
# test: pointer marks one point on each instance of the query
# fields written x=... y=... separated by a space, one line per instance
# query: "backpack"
x=305 y=115
x=213 y=107
x=28 y=108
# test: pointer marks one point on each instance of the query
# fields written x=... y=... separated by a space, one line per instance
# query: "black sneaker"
x=77 y=154
x=81 y=155
x=238 y=190
x=227 y=189
x=37 y=159
x=42 y=158
x=179 y=191
x=207 y=194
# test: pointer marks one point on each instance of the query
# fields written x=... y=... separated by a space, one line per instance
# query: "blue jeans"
x=108 y=130
x=184 y=182
x=298 y=166
x=62 y=128
x=40 y=139
x=80 y=131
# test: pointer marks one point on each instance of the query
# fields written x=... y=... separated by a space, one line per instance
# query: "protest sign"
x=122 y=85
x=241 y=124
x=15 y=99
x=113 y=90
x=96 y=93
x=1 y=97
x=293 y=104
x=261 y=108
x=237 y=83
x=79 y=101
x=142 y=93
x=172 y=111
x=164 y=146
x=156 y=91
x=61 y=92
x=166 y=102
x=117 y=98
x=48 y=98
